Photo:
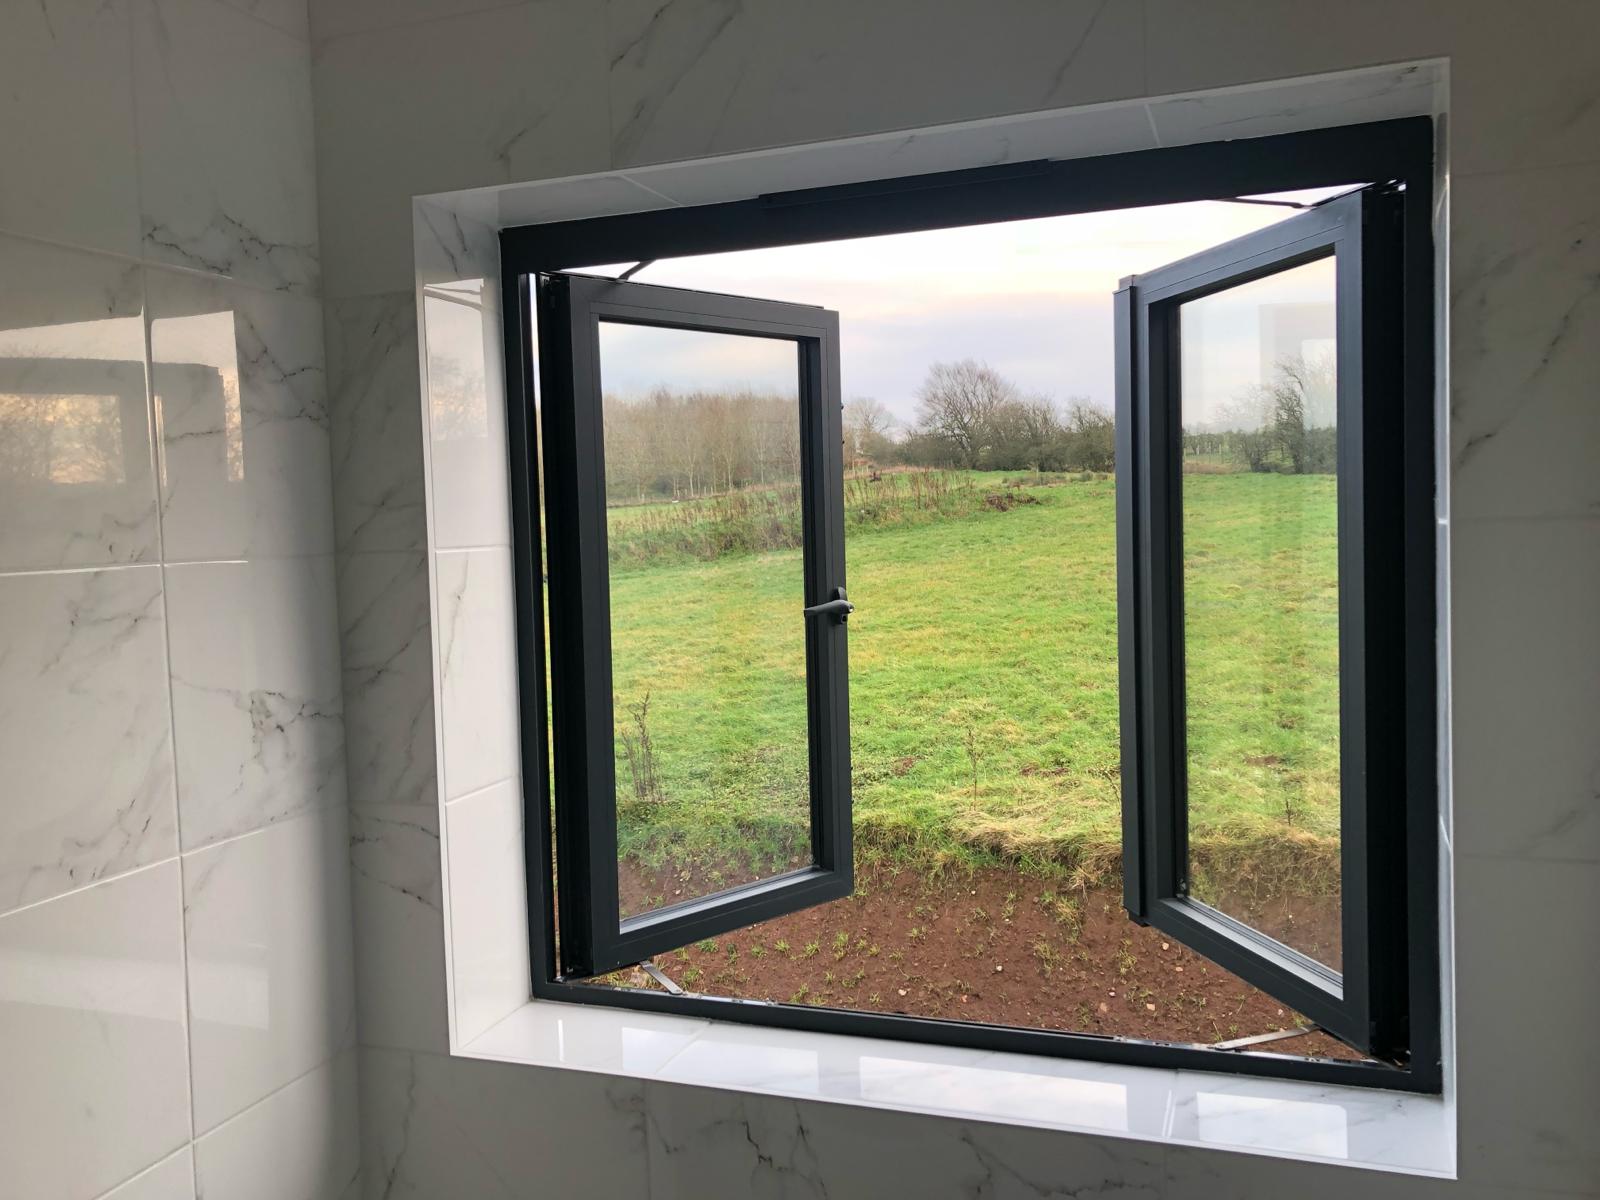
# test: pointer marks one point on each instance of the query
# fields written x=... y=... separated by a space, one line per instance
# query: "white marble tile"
x=242 y=419
x=436 y=1126
x=271 y=991
x=376 y=400
x=1526 y=658
x=385 y=644
x=521 y=96
x=588 y=1038
x=572 y=199
x=67 y=69
x=705 y=1142
x=399 y=922
x=291 y=16
x=76 y=484
x=466 y=414
x=1209 y=1174
x=1344 y=99
x=255 y=693
x=336 y=18
x=458 y=242
x=1106 y=129
x=476 y=646
x=715 y=75
x=1528 y=1071
x=170 y=1179
x=488 y=907
x=300 y=1143
x=95 y=1084
x=1549 y=115
x=1525 y=367
x=84 y=730
x=226 y=155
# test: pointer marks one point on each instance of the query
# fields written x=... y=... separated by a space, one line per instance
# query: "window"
x=1273 y=436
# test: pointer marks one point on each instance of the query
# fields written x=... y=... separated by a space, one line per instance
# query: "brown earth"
x=988 y=945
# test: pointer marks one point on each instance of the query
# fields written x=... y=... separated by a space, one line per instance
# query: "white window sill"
x=1362 y=1127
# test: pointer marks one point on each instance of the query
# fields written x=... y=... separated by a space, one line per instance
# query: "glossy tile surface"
x=225 y=140
x=477 y=682
x=170 y=1179
x=269 y=945
x=434 y=1126
x=66 y=67
x=83 y=730
x=242 y=415
x=76 y=481
x=388 y=679
x=95 y=1084
x=255 y=693
x=302 y=1142
x=488 y=907
x=399 y=915
x=377 y=423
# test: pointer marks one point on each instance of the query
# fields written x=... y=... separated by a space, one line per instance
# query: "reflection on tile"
x=1526 y=644
x=243 y=418
x=377 y=423
x=170 y=1179
x=66 y=67
x=271 y=993
x=95 y=1083
x=83 y=730
x=255 y=693
x=477 y=683
x=388 y=679
x=76 y=487
x=302 y=1142
x=466 y=414
x=705 y=1142
x=1525 y=368
x=395 y=889
x=488 y=907
x=588 y=1038
x=225 y=141
x=439 y=1126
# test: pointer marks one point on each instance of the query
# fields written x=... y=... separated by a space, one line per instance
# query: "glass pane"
x=1261 y=605
x=708 y=656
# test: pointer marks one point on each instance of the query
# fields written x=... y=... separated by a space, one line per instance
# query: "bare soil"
x=988 y=945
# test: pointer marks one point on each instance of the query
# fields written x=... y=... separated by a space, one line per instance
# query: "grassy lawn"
x=983 y=677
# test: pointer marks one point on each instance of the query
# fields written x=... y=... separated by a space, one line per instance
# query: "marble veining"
x=225 y=134
x=477 y=682
x=377 y=423
x=76 y=485
x=388 y=679
x=82 y=665
x=255 y=692
x=243 y=416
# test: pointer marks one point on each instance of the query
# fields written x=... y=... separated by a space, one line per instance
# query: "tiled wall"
x=177 y=1009
x=428 y=96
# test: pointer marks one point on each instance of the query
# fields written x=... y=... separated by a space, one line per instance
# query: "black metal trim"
x=596 y=937
x=1400 y=151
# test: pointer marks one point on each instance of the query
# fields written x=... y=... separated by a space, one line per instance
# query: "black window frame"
x=571 y=307
x=1395 y=153
x=1364 y=1002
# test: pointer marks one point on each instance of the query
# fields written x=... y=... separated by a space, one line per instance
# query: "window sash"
x=596 y=938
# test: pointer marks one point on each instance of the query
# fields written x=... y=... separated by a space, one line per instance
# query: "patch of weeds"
x=757 y=950
x=1125 y=958
x=1048 y=958
x=811 y=950
x=691 y=976
x=799 y=997
x=709 y=945
x=841 y=945
x=781 y=945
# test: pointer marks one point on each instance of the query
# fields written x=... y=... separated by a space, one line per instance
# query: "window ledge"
x=1361 y=1127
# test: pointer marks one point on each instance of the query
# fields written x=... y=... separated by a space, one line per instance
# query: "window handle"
x=838 y=608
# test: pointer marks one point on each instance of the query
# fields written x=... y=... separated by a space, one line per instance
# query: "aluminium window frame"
x=1398 y=152
x=571 y=309
x=1364 y=1001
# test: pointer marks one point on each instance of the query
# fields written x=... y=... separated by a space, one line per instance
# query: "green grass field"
x=983 y=676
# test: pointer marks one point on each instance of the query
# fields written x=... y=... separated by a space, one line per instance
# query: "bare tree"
x=866 y=430
x=959 y=403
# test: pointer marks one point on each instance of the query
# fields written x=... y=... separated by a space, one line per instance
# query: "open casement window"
x=599 y=338
x=1279 y=352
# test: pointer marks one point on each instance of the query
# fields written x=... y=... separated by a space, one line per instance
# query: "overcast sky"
x=1030 y=298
